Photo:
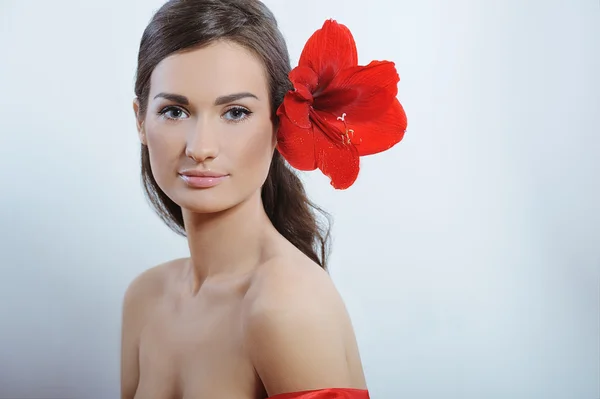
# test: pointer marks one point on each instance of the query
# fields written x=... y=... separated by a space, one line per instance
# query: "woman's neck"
x=231 y=242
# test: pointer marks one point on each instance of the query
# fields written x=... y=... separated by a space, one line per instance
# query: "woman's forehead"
x=221 y=68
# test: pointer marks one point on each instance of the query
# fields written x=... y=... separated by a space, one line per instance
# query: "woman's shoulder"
x=291 y=280
x=296 y=327
x=151 y=283
x=289 y=289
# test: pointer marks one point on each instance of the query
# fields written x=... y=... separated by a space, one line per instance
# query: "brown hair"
x=183 y=25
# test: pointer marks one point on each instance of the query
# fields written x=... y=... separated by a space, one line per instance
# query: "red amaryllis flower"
x=338 y=110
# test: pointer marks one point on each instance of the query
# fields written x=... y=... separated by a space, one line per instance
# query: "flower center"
x=331 y=130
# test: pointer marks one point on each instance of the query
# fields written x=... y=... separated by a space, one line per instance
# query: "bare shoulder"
x=149 y=285
x=296 y=328
x=140 y=297
x=294 y=280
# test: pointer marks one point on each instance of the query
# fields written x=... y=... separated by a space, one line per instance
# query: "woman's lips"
x=202 y=179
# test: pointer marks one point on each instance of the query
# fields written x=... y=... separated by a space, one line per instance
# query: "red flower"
x=338 y=110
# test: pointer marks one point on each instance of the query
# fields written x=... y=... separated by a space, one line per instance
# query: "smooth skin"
x=247 y=315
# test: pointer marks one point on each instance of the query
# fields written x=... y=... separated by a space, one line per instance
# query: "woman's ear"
x=274 y=139
x=139 y=122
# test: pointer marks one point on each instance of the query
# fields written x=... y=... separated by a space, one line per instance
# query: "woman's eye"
x=237 y=114
x=173 y=113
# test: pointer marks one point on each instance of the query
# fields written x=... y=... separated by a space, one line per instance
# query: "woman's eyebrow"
x=233 y=97
x=178 y=98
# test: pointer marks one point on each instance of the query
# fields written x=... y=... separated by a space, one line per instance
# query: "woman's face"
x=208 y=127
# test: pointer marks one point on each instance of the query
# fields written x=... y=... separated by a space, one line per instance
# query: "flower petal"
x=296 y=109
x=340 y=162
x=297 y=145
x=305 y=81
x=377 y=135
x=362 y=92
x=329 y=50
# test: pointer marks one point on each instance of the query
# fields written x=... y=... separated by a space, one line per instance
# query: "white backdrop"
x=468 y=256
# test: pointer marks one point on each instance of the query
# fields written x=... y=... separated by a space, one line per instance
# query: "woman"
x=252 y=313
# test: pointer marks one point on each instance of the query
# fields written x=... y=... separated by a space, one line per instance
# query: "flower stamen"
x=348 y=132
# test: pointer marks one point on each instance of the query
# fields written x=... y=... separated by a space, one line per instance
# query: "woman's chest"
x=194 y=353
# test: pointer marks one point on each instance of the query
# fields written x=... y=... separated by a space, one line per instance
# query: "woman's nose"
x=202 y=145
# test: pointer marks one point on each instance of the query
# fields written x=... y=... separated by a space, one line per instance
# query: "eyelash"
x=245 y=111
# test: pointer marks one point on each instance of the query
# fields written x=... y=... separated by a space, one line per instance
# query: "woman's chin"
x=201 y=201
x=205 y=207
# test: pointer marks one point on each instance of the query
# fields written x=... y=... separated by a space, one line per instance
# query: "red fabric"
x=331 y=393
x=338 y=110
